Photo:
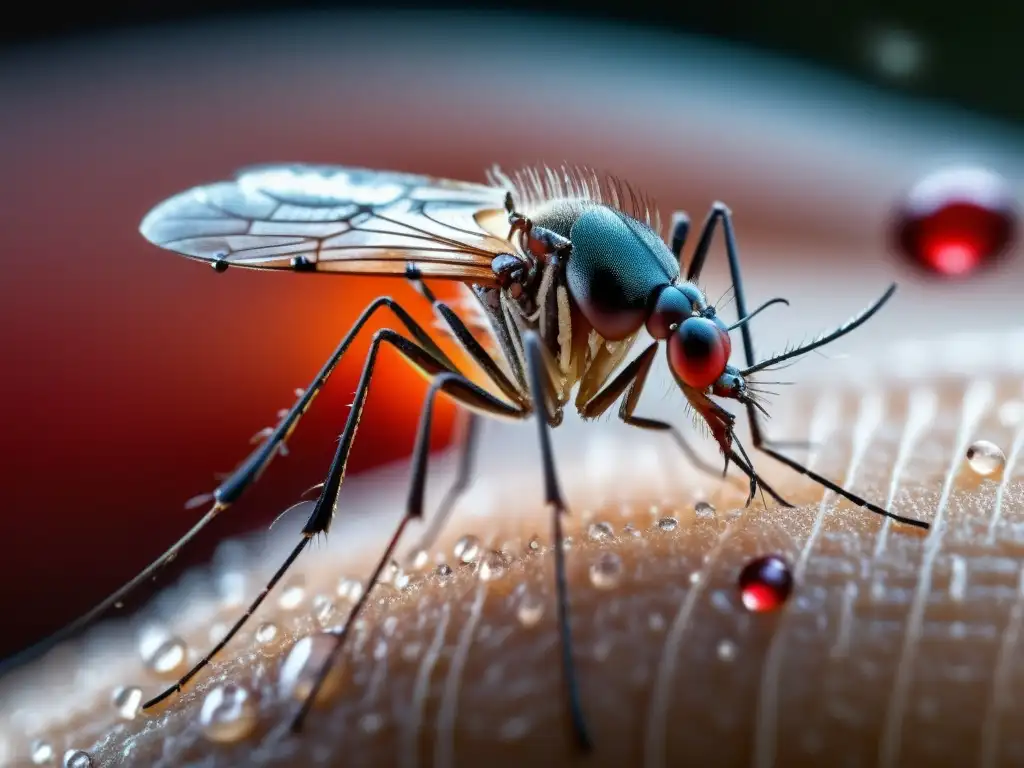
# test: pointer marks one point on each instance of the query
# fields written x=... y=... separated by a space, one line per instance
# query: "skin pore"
x=897 y=646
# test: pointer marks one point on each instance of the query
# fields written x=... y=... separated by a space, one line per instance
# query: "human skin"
x=902 y=657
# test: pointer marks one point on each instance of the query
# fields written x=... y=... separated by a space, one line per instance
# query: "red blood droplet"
x=765 y=583
x=956 y=220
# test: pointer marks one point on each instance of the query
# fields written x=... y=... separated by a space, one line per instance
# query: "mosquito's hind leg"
x=721 y=213
x=463 y=476
x=464 y=392
x=553 y=496
x=242 y=477
x=469 y=439
x=320 y=517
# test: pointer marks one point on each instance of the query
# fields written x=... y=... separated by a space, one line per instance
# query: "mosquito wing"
x=335 y=219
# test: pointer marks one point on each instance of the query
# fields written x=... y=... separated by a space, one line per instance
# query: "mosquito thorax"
x=616 y=264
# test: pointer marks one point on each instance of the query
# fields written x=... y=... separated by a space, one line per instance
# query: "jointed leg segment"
x=721 y=214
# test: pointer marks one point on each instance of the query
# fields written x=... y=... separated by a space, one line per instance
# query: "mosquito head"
x=698 y=341
x=731 y=384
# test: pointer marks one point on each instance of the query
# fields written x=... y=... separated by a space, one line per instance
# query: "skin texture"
x=896 y=645
x=895 y=648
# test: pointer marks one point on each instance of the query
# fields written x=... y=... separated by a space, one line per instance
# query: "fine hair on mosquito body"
x=567 y=268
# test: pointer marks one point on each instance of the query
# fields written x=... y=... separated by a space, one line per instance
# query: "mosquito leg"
x=719 y=212
x=248 y=471
x=465 y=393
x=470 y=434
x=553 y=496
x=632 y=378
x=320 y=517
x=463 y=475
x=680 y=229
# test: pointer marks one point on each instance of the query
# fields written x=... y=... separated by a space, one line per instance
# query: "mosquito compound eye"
x=698 y=352
x=670 y=307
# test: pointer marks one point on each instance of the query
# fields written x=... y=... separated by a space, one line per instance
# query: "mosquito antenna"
x=777 y=300
x=828 y=338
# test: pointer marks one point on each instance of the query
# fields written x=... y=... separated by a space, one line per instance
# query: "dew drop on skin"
x=601 y=531
x=266 y=633
x=530 y=609
x=42 y=752
x=349 y=589
x=229 y=713
x=704 y=510
x=168 y=659
x=606 y=571
x=467 y=549
x=76 y=758
x=127 y=700
x=292 y=595
x=985 y=458
x=493 y=566
x=302 y=664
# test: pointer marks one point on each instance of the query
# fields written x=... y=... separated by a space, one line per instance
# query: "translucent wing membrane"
x=334 y=219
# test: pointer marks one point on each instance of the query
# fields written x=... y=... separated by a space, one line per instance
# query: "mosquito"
x=565 y=269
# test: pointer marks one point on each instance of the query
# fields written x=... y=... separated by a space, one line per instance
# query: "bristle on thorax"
x=535 y=185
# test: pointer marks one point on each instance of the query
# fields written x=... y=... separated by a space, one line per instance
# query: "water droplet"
x=985 y=458
x=231 y=585
x=400 y=580
x=630 y=530
x=228 y=714
x=324 y=610
x=168 y=659
x=606 y=571
x=467 y=549
x=955 y=220
x=292 y=594
x=266 y=633
x=76 y=758
x=726 y=650
x=419 y=559
x=218 y=631
x=411 y=651
x=126 y=700
x=601 y=531
x=765 y=583
x=530 y=609
x=704 y=510
x=668 y=524
x=567 y=543
x=350 y=589
x=444 y=571
x=303 y=663
x=493 y=566
x=370 y=722
x=533 y=545
x=514 y=729
x=695 y=577
x=42 y=752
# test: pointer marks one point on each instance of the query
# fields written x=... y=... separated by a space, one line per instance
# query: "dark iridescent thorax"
x=588 y=307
